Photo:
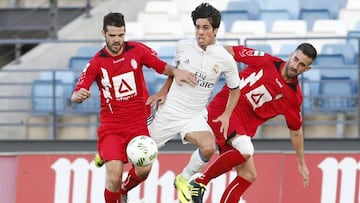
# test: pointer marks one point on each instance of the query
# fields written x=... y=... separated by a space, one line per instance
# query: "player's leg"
x=246 y=175
x=114 y=170
x=198 y=132
x=135 y=176
x=234 y=153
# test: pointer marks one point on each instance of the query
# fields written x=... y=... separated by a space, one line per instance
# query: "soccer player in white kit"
x=184 y=110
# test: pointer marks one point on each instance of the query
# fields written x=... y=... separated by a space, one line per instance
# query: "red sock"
x=224 y=163
x=131 y=181
x=234 y=191
x=112 y=197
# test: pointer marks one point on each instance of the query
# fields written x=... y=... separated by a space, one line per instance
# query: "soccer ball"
x=142 y=150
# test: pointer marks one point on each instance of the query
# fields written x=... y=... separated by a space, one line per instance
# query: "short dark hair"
x=205 y=10
x=308 y=49
x=113 y=19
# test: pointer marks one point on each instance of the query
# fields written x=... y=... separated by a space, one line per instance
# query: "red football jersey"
x=264 y=94
x=121 y=84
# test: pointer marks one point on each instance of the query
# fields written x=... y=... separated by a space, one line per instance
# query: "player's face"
x=205 y=33
x=114 y=38
x=297 y=64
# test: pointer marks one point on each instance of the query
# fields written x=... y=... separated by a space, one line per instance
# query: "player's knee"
x=244 y=145
x=250 y=176
x=208 y=150
x=113 y=182
x=143 y=172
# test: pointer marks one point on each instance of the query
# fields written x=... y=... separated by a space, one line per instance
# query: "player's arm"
x=159 y=97
x=224 y=118
x=180 y=75
x=297 y=140
x=80 y=95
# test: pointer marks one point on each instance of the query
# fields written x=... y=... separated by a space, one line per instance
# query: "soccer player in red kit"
x=117 y=70
x=269 y=87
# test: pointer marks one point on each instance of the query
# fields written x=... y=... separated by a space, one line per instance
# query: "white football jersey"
x=186 y=101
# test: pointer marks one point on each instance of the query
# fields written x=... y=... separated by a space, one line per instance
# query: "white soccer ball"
x=142 y=150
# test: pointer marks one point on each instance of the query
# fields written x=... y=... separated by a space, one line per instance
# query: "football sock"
x=111 y=197
x=224 y=163
x=234 y=191
x=131 y=181
x=196 y=162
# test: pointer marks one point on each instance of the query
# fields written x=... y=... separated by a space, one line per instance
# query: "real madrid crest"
x=215 y=69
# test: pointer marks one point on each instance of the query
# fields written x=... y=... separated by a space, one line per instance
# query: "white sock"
x=194 y=165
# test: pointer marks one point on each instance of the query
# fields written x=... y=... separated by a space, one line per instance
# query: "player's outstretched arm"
x=297 y=140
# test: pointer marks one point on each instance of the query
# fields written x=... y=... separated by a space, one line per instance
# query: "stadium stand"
x=47 y=99
x=334 y=74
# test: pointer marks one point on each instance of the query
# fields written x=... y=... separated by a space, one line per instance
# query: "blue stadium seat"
x=167 y=53
x=78 y=63
x=65 y=76
x=311 y=15
x=239 y=10
x=270 y=16
x=262 y=47
x=88 y=51
x=354 y=37
x=336 y=94
x=250 y=6
x=291 y=6
x=48 y=97
x=345 y=49
x=229 y=17
x=325 y=60
x=331 y=6
x=90 y=105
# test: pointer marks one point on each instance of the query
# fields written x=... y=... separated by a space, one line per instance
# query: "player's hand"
x=184 y=76
x=224 y=124
x=80 y=95
x=304 y=172
x=157 y=98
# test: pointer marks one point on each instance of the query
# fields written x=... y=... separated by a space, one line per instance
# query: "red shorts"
x=112 y=142
x=237 y=125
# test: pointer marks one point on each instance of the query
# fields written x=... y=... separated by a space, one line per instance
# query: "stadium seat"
x=311 y=15
x=288 y=28
x=78 y=63
x=353 y=39
x=65 y=76
x=248 y=5
x=134 y=31
x=262 y=47
x=336 y=94
x=48 y=97
x=291 y=6
x=167 y=53
x=269 y=16
x=352 y=4
x=88 y=51
x=345 y=49
x=247 y=29
x=239 y=10
x=328 y=27
x=326 y=60
x=90 y=105
x=350 y=16
x=162 y=6
x=163 y=30
x=331 y=6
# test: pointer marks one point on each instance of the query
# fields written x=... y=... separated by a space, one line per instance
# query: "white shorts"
x=163 y=130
